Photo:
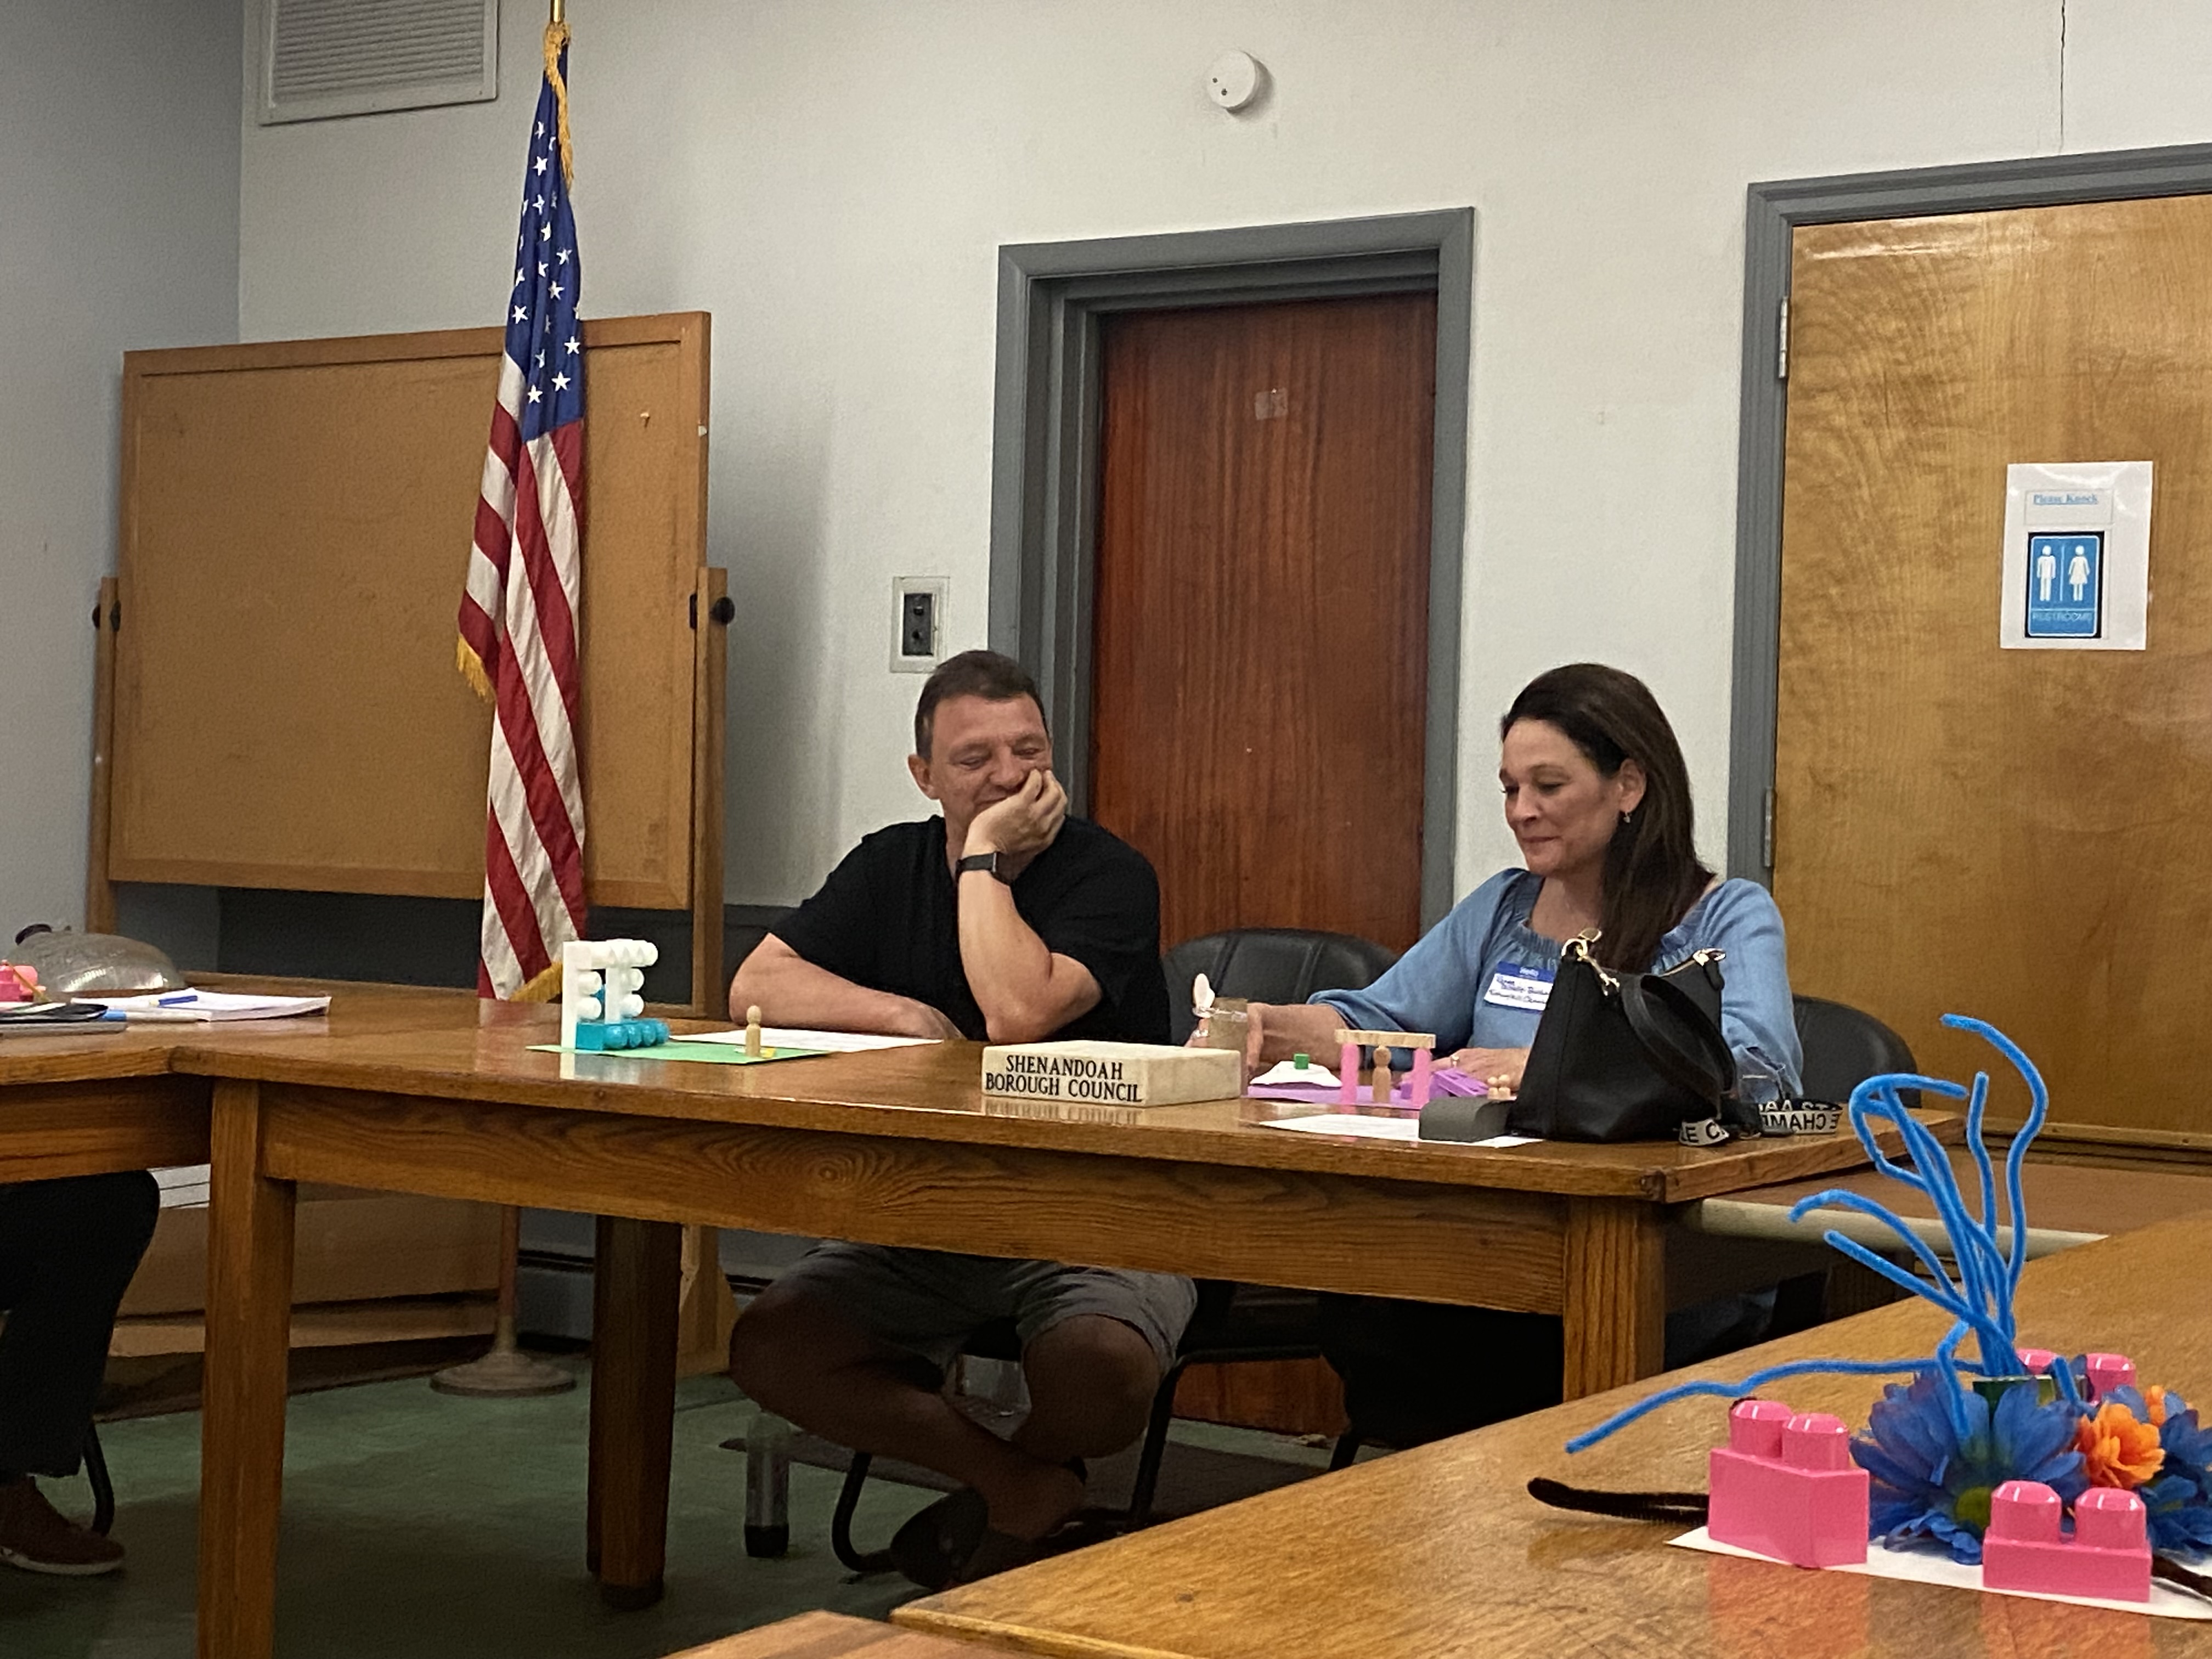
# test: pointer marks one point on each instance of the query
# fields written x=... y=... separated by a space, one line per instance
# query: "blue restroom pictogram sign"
x=2065 y=585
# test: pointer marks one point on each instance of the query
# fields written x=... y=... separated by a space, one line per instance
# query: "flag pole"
x=506 y=1371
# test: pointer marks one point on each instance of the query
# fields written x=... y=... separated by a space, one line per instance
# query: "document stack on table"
x=89 y=1016
x=203 y=1006
x=55 y=1019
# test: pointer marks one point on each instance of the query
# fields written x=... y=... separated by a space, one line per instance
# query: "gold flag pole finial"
x=560 y=11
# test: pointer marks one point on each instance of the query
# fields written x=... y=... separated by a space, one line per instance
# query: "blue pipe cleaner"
x=1972 y=1241
x=2062 y=1369
x=1980 y=1300
x=2039 y=1109
x=1737 y=1390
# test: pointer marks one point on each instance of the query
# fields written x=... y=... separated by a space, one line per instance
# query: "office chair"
x=103 y=1489
x=1843 y=1047
x=1268 y=964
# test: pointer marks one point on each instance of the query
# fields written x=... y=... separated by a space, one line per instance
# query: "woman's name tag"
x=1515 y=986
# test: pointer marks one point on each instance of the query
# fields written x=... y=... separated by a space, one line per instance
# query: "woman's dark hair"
x=1652 y=876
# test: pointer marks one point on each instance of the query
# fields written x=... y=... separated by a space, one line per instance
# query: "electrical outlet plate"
x=907 y=592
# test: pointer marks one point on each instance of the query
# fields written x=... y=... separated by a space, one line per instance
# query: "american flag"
x=518 y=613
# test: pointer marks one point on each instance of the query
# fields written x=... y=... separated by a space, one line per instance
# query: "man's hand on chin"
x=1024 y=823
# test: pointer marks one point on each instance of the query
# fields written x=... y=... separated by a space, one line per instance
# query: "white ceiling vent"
x=323 y=57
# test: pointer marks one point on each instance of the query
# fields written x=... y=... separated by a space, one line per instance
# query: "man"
x=68 y=1249
x=1007 y=921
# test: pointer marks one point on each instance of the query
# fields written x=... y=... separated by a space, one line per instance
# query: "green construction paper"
x=712 y=1053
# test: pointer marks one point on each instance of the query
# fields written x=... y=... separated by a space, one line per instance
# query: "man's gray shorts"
x=929 y=1301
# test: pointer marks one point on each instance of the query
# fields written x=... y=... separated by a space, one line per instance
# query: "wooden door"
x=1259 y=662
x=2022 y=835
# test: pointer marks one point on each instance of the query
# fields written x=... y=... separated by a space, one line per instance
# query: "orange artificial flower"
x=2115 y=1449
x=2154 y=1397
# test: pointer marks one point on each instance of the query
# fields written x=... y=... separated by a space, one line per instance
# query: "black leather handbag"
x=1621 y=1056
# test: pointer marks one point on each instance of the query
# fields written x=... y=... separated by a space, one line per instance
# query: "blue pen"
x=171 y=1001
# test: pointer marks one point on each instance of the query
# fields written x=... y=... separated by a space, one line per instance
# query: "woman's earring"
x=1628 y=818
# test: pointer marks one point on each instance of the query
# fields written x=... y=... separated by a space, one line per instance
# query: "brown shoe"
x=37 y=1537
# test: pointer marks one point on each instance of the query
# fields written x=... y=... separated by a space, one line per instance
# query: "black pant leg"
x=68 y=1249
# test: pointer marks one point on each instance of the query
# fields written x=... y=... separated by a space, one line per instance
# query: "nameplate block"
x=1112 y=1073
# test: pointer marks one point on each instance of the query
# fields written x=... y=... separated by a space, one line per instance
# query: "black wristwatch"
x=984 y=861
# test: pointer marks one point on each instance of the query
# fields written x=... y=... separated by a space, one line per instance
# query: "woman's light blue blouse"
x=1450 y=983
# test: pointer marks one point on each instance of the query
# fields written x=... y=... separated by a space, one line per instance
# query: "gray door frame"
x=1053 y=297
x=1775 y=210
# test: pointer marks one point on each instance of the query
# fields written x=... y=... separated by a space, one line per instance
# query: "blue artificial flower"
x=2180 y=1499
x=1930 y=1484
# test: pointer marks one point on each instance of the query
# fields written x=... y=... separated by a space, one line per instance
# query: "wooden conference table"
x=434 y=1093
x=1440 y=1552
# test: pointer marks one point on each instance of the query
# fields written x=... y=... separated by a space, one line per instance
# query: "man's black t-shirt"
x=888 y=918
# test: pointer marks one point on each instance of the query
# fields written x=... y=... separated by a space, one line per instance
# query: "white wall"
x=832 y=178
x=119 y=228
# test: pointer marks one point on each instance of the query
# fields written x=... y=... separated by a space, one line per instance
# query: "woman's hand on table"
x=1499 y=1069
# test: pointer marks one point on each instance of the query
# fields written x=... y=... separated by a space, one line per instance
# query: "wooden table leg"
x=249 y=1322
x=633 y=1406
x=1616 y=1294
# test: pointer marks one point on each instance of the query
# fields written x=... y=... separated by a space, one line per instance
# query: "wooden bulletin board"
x=295 y=526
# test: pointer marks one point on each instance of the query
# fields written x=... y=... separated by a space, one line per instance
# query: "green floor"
x=420 y=1525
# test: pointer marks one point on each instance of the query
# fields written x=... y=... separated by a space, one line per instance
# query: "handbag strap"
x=1709 y=1082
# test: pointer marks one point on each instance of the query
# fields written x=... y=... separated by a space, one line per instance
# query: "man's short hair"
x=984 y=674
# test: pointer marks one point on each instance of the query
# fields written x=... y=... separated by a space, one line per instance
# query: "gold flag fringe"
x=556 y=41
x=542 y=987
x=472 y=669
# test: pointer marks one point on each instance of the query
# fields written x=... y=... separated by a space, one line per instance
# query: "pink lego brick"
x=2108 y=1371
x=2038 y=1360
x=1347 y=1074
x=1785 y=1486
x=2108 y=1554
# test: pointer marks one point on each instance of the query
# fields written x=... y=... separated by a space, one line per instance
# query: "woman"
x=1598 y=798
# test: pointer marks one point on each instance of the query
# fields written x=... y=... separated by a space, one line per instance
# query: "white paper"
x=1352 y=1123
x=1932 y=1567
x=2109 y=503
x=1286 y=1071
x=1380 y=1129
x=834 y=1042
x=214 y=1005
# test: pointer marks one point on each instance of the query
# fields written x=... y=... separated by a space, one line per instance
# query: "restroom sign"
x=2076 y=556
x=2065 y=600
